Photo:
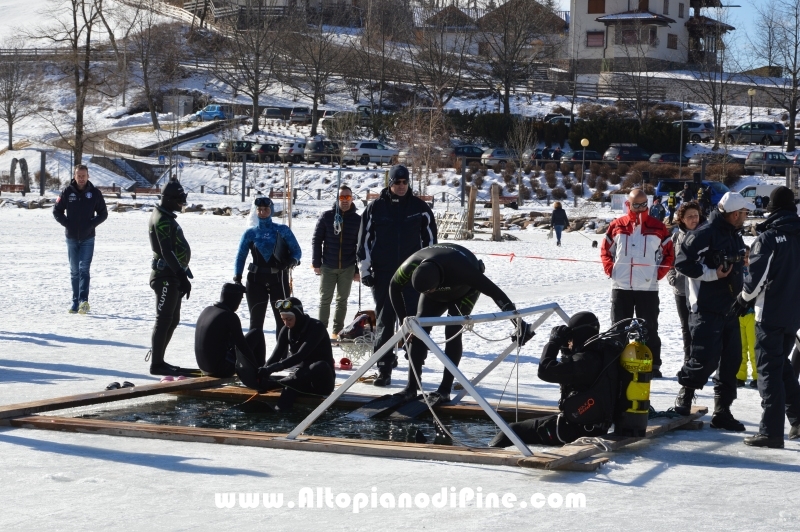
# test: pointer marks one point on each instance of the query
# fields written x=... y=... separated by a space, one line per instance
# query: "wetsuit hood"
x=231 y=296
x=582 y=325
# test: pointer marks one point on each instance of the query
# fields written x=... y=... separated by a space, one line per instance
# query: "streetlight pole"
x=751 y=93
x=584 y=143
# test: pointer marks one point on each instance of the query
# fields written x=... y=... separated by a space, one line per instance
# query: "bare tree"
x=314 y=55
x=424 y=132
x=777 y=44
x=17 y=88
x=119 y=23
x=511 y=37
x=343 y=128
x=247 y=59
x=522 y=137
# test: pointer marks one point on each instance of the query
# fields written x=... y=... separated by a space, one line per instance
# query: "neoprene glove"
x=368 y=281
x=741 y=307
x=293 y=263
x=527 y=334
x=184 y=285
x=560 y=334
x=237 y=279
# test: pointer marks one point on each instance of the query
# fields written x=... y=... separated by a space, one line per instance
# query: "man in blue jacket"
x=774 y=288
x=334 y=257
x=80 y=208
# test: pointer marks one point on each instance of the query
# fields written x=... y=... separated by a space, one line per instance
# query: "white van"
x=758 y=194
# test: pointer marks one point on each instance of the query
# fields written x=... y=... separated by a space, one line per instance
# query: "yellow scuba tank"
x=633 y=408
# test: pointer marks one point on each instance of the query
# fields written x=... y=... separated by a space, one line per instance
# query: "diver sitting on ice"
x=302 y=342
x=450 y=278
x=588 y=373
x=218 y=335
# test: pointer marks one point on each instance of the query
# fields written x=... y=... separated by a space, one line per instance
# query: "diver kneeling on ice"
x=588 y=373
x=302 y=342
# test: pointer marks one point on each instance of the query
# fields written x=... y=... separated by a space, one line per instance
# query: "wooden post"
x=473 y=198
x=496 y=236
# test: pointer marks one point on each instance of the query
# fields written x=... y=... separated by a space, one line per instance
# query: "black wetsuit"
x=595 y=368
x=171 y=255
x=463 y=282
x=307 y=346
x=218 y=336
x=264 y=288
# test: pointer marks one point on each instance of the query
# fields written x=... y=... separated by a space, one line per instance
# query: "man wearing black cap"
x=587 y=374
x=450 y=278
x=302 y=342
x=393 y=227
x=218 y=336
x=774 y=289
x=170 y=274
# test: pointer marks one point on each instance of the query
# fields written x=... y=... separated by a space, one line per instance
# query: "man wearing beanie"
x=218 y=336
x=393 y=227
x=774 y=289
x=450 y=278
x=303 y=344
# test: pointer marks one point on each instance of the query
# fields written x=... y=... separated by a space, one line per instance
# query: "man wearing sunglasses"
x=637 y=253
x=393 y=227
x=334 y=257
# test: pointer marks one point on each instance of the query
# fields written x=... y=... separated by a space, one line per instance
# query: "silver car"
x=205 y=150
x=697 y=130
x=292 y=151
x=365 y=152
x=499 y=156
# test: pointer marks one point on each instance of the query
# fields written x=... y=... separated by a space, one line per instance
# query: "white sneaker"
x=83 y=308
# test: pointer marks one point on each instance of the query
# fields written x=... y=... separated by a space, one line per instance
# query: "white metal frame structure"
x=413 y=325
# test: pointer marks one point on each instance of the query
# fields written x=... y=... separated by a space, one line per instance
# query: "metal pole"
x=244 y=175
x=463 y=180
x=42 y=177
x=680 y=148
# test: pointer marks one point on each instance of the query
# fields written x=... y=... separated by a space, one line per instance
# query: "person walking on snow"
x=558 y=220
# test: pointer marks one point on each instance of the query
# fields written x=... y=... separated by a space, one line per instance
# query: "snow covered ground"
x=702 y=479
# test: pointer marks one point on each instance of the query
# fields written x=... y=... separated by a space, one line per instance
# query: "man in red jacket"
x=637 y=253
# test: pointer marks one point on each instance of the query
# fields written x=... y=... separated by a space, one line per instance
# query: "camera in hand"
x=715 y=259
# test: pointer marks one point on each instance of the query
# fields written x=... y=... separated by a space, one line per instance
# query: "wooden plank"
x=591 y=465
x=106 y=396
x=409 y=451
x=694 y=425
x=351 y=400
x=572 y=452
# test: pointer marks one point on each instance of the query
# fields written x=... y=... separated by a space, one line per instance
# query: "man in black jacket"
x=774 y=288
x=80 y=208
x=218 y=335
x=169 y=275
x=585 y=371
x=449 y=278
x=393 y=227
x=334 y=257
x=711 y=257
x=302 y=343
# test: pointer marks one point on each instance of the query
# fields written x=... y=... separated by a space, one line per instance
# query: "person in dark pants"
x=393 y=227
x=302 y=342
x=774 y=288
x=658 y=211
x=637 y=253
x=334 y=257
x=688 y=220
x=450 y=279
x=170 y=274
x=80 y=208
x=218 y=335
x=558 y=220
x=582 y=368
x=671 y=204
x=275 y=251
x=686 y=195
x=712 y=258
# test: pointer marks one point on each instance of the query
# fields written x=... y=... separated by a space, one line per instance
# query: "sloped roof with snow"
x=643 y=17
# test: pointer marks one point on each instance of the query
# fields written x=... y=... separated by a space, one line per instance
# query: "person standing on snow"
x=80 y=208
x=275 y=250
x=334 y=257
x=393 y=227
x=170 y=274
x=558 y=220
x=637 y=253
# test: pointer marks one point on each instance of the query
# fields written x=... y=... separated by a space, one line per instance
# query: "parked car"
x=669 y=158
x=205 y=150
x=293 y=151
x=531 y=155
x=322 y=151
x=468 y=151
x=767 y=162
x=550 y=116
x=265 y=152
x=567 y=121
x=418 y=153
x=365 y=152
x=499 y=156
x=624 y=153
x=577 y=156
x=697 y=131
x=715 y=189
x=765 y=133
x=714 y=158
x=235 y=150
x=214 y=112
x=300 y=115
x=272 y=113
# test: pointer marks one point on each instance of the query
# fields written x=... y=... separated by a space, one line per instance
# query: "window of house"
x=680 y=10
x=644 y=5
x=666 y=7
x=626 y=36
x=597 y=6
x=595 y=39
x=653 y=37
x=672 y=41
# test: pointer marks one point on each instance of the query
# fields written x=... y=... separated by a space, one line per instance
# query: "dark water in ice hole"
x=205 y=413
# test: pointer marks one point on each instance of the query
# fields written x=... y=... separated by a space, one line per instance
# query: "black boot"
x=165 y=369
x=384 y=377
x=683 y=403
x=794 y=432
x=762 y=440
x=723 y=419
x=412 y=388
